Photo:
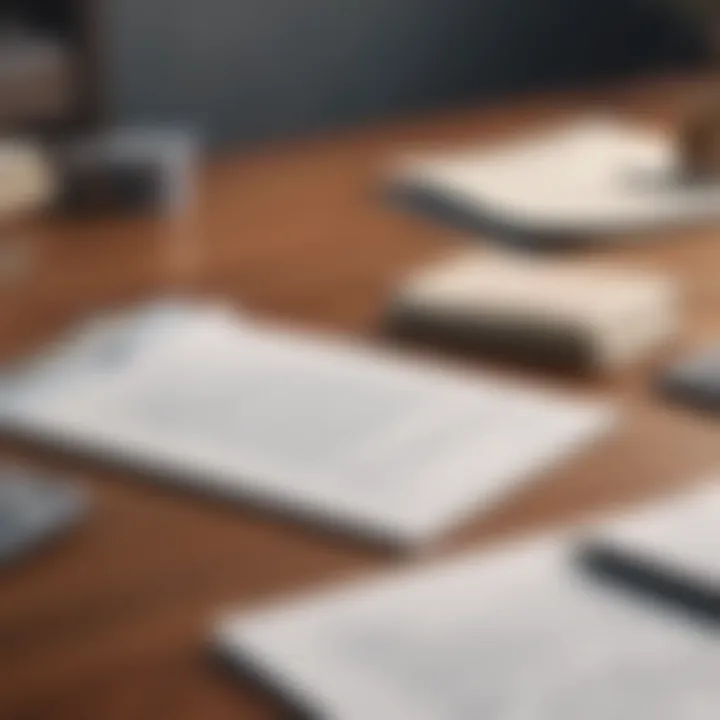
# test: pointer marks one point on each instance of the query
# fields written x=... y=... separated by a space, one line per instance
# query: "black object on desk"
x=128 y=171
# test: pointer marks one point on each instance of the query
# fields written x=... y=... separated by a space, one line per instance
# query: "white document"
x=332 y=431
x=519 y=634
x=593 y=175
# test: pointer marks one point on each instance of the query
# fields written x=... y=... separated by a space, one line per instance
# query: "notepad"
x=519 y=633
x=323 y=429
x=590 y=176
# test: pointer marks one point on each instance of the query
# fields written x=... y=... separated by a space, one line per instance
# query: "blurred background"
x=239 y=149
x=243 y=71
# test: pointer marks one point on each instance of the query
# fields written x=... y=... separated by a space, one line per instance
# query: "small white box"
x=550 y=311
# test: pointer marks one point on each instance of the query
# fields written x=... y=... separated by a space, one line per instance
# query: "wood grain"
x=113 y=621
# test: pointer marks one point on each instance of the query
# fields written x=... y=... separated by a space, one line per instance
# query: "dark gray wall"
x=245 y=69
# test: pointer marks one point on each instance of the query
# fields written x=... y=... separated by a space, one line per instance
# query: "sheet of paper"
x=593 y=175
x=518 y=634
x=313 y=426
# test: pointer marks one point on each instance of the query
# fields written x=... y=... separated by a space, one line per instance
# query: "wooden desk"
x=113 y=622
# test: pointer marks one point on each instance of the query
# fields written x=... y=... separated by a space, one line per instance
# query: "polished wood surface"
x=112 y=622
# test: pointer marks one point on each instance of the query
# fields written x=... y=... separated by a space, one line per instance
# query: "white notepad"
x=594 y=175
x=519 y=634
x=323 y=429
